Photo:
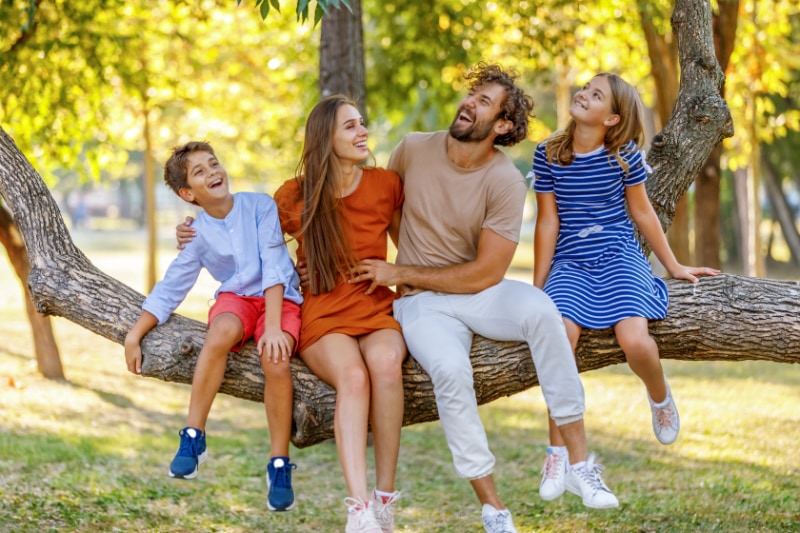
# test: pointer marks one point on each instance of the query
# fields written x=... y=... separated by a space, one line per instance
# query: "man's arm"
x=487 y=269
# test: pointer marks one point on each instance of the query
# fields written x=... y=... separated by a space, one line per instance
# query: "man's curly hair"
x=517 y=107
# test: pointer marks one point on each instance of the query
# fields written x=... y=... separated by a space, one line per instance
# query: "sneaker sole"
x=577 y=493
x=200 y=460
x=279 y=509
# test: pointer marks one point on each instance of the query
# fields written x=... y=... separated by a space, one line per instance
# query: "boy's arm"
x=133 y=349
x=273 y=344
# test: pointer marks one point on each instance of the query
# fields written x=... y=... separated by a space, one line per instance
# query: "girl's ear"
x=186 y=194
x=611 y=121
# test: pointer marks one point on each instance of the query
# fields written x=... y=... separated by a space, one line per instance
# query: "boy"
x=242 y=247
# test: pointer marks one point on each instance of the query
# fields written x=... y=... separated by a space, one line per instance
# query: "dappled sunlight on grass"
x=91 y=454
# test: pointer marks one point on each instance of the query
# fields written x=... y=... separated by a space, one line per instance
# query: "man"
x=460 y=228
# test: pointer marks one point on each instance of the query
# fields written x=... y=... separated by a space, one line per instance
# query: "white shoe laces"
x=384 y=511
x=496 y=523
x=363 y=514
x=590 y=473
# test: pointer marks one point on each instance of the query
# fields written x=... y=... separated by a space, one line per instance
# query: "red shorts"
x=250 y=310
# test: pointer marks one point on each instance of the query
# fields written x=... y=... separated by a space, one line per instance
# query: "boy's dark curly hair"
x=517 y=107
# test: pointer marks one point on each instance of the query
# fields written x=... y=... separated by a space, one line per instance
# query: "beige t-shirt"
x=447 y=206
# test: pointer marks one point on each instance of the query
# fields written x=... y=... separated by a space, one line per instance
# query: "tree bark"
x=722 y=318
x=341 y=55
x=707 y=183
x=48 y=359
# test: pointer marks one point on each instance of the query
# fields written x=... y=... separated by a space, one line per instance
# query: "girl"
x=587 y=257
x=340 y=212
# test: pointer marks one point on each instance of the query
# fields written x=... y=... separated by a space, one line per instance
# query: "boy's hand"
x=274 y=346
x=133 y=356
x=184 y=232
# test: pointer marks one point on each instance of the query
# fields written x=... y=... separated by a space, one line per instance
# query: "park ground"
x=90 y=454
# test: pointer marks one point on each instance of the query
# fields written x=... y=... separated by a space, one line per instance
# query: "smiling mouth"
x=214 y=184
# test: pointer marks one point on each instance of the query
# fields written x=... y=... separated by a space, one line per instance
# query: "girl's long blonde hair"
x=626 y=103
x=328 y=254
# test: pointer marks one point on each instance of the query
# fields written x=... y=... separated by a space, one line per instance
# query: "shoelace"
x=496 y=523
x=188 y=445
x=360 y=511
x=281 y=477
x=552 y=465
x=384 y=511
x=591 y=474
x=664 y=416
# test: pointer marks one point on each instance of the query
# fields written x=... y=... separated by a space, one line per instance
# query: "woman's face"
x=350 y=135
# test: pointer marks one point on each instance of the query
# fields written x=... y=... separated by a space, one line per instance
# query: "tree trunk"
x=341 y=55
x=707 y=183
x=722 y=318
x=48 y=359
x=781 y=209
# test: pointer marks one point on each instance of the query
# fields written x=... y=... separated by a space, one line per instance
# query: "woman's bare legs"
x=336 y=359
x=383 y=352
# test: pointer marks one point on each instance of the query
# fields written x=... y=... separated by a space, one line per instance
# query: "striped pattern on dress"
x=599 y=274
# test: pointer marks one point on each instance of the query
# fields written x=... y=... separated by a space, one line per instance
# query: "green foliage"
x=80 y=79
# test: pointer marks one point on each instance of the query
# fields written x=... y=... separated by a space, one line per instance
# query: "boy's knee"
x=276 y=371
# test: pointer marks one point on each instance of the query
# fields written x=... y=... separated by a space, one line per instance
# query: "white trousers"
x=438 y=330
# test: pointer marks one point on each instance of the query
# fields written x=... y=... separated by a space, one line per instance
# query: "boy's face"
x=206 y=178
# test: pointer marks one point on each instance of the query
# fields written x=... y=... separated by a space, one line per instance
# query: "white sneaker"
x=586 y=482
x=666 y=422
x=554 y=472
x=361 y=517
x=495 y=521
x=384 y=510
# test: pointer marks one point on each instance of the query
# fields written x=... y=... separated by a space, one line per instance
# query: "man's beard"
x=476 y=132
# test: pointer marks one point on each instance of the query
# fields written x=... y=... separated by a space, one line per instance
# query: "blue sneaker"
x=191 y=454
x=279 y=483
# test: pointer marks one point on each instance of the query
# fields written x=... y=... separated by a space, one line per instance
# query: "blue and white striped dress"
x=599 y=273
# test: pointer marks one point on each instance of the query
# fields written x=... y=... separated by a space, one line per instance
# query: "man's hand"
x=184 y=232
x=377 y=272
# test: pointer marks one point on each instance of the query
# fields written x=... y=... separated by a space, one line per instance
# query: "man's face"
x=478 y=112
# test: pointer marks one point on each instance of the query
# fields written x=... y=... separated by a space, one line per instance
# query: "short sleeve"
x=540 y=177
x=637 y=172
x=289 y=199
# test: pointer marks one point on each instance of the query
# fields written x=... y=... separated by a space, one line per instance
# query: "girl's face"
x=592 y=104
x=350 y=135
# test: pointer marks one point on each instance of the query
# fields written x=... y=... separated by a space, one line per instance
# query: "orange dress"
x=368 y=212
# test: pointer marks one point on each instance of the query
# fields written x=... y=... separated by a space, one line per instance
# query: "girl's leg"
x=384 y=352
x=336 y=360
x=224 y=332
x=641 y=352
x=278 y=402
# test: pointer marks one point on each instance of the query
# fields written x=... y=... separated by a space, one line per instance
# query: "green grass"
x=90 y=454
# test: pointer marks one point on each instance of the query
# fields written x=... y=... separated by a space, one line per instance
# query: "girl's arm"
x=544 y=236
x=394 y=225
x=646 y=220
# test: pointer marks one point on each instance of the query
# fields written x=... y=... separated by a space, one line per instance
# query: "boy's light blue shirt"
x=245 y=252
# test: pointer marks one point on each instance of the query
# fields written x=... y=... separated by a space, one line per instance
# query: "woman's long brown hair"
x=328 y=254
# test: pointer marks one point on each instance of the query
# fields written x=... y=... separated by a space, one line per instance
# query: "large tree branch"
x=722 y=318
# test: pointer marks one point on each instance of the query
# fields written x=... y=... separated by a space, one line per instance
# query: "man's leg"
x=441 y=344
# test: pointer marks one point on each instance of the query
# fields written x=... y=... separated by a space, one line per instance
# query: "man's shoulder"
x=423 y=137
